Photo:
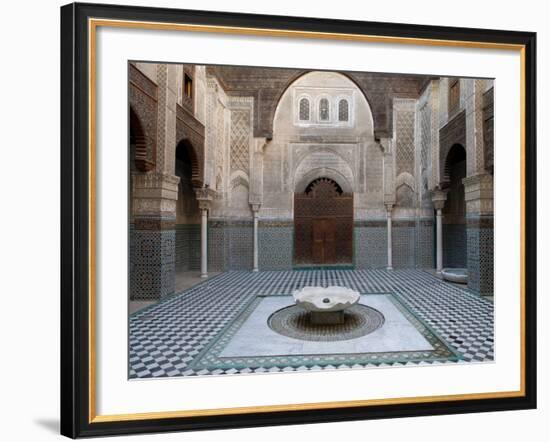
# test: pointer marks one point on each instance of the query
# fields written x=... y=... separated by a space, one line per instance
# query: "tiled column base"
x=480 y=254
x=152 y=264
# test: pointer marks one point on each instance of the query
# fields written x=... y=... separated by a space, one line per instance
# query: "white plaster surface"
x=255 y=338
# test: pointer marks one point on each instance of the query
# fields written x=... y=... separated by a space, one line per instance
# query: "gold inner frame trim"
x=93 y=24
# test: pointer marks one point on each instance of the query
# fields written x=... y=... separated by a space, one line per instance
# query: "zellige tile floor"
x=185 y=334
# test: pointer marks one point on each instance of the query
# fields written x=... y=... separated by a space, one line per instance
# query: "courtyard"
x=197 y=331
x=251 y=186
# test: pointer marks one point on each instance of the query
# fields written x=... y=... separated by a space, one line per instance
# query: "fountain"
x=326 y=314
x=457 y=275
x=326 y=305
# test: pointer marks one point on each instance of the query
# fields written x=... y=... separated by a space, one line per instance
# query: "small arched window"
x=304 y=109
x=324 y=112
x=343 y=110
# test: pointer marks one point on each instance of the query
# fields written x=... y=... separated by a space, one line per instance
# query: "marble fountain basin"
x=326 y=305
x=455 y=275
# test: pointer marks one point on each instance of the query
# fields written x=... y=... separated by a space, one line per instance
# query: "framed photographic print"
x=278 y=220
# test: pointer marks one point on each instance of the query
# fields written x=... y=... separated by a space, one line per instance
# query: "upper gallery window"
x=187 y=86
x=304 y=109
x=343 y=110
x=324 y=112
x=454 y=94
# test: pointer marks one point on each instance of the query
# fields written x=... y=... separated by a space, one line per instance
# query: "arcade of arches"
x=256 y=169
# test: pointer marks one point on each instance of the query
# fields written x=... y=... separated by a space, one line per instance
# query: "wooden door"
x=324 y=241
x=323 y=225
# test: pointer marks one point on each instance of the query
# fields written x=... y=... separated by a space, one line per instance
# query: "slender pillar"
x=389 y=221
x=439 y=241
x=438 y=199
x=204 y=243
x=255 y=263
x=204 y=197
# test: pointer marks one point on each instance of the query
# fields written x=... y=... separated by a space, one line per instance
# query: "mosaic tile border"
x=210 y=360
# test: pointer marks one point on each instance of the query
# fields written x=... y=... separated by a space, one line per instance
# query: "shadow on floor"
x=51 y=425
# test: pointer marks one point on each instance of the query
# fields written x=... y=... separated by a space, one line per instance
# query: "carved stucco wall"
x=400 y=165
x=267 y=86
x=404 y=134
x=345 y=152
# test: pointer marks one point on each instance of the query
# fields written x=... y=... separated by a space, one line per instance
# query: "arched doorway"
x=187 y=212
x=454 y=211
x=323 y=224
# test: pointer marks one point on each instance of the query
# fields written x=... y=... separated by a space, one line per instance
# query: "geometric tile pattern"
x=425 y=151
x=152 y=263
x=170 y=338
x=404 y=153
x=403 y=244
x=425 y=244
x=240 y=239
x=240 y=136
x=188 y=247
x=275 y=245
x=480 y=259
x=454 y=245
x=370 y=247
x=230 y=245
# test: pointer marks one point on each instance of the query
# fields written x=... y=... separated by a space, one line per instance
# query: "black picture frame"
x=76 y=418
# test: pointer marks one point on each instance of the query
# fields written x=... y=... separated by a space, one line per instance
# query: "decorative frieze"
x=155 y=194
x=478 y=193
x=155 y=224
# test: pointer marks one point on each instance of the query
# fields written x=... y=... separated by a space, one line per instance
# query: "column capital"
x=438 y=198
x=389 y=207
x=255 y=207
x=204 y=196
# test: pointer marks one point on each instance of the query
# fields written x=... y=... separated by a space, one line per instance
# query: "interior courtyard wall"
x=154 y=195
x=247 y=172
x=478 y=186
x=303 y=150
x=230 y=224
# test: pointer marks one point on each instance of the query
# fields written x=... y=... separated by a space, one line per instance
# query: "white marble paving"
x=255 y=338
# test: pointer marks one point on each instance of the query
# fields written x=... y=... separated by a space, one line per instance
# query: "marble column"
x=204 y=242
x=439 y=240
x=389 y=208
x=438 y=199
x=204 y=197
x=255 y=209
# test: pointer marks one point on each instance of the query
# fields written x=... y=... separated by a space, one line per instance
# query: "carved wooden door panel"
x=324 y=241
x=323 y=224
x=318 y=246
